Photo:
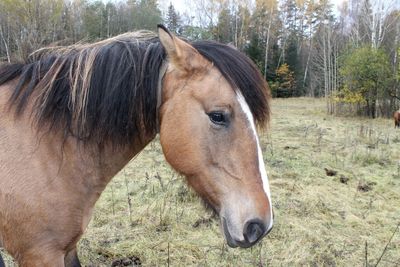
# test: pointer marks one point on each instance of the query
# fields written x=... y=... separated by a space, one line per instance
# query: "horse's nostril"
x=253 y=230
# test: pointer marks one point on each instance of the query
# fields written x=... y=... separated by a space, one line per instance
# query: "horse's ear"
x=182 y=55
x=167 y=40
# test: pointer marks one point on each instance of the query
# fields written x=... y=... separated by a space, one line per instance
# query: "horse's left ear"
x=181 y=55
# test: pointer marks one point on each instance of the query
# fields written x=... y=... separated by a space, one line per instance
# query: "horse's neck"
x=47 y=157
x=94 y=167
x=106 y=162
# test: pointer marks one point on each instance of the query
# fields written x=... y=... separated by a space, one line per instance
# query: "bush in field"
x=367 y=77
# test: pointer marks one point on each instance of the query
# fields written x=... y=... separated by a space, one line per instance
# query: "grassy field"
x=148 y=215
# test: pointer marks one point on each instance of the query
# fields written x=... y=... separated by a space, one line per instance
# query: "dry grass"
x=147 y=211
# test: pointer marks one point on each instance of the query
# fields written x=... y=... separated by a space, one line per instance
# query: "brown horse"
x=72 y=117
x=396 y=117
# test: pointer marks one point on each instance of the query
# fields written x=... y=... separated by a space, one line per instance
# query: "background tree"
x=285 y=84
x=223 y=31
x=147 y=15
x=94 y=20
x=173 y=20
x=367 y=73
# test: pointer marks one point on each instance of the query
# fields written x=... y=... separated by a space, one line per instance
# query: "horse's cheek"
x=180 y=156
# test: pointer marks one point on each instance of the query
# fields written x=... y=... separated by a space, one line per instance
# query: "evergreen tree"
x=223 y=31
x=173 y=20
x=254 y=50
x=291 y=42
x=293 y=61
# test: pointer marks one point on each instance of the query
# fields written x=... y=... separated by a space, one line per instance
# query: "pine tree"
x=173 y=19
x=223 y=30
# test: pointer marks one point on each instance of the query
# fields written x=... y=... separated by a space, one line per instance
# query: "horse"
x=74 y=116
x=396 y=117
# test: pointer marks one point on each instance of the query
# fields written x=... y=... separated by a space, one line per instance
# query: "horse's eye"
x=217 y=118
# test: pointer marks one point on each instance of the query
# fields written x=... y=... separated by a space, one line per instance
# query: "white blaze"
x=261 y=165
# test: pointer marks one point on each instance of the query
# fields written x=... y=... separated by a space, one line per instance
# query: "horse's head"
x=208 y=134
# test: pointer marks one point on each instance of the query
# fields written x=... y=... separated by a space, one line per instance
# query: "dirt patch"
x=364 y=186
x=343 y=179
x=290 y=147
x=330 y=172
x=128 y=261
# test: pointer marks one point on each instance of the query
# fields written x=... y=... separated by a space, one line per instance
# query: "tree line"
x=302 y=47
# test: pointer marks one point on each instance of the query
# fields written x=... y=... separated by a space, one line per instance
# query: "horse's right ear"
x=182 y=55
x=167 y=40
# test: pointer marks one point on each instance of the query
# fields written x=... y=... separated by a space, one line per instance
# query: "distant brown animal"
x=73 y=117
x=396 y=116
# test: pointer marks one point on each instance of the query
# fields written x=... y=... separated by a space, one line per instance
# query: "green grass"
x=148 y=212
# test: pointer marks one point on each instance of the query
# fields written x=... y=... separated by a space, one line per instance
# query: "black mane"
x=108 y=91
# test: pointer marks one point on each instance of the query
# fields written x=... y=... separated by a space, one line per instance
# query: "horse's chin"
x=227 y=235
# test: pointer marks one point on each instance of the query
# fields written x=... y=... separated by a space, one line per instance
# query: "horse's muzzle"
x=253 y=231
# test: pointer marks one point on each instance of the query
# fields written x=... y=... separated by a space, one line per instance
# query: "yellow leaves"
x=350 y=97
x=285 y=82
x=285 y=76
x=283 y=70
